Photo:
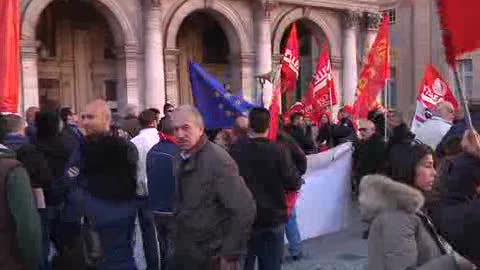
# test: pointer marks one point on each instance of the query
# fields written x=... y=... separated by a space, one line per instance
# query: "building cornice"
x=357 y=5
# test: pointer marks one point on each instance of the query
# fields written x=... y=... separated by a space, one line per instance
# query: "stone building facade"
x=137 y=51
x=416 y=43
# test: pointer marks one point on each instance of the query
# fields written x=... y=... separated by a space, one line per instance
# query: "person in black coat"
x=301 y=133
x=325 y=139
x=400 y=137
x=369 y=152
x=456 y=211
x=345 y=131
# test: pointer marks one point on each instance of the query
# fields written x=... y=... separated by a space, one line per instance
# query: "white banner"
x=324 y=203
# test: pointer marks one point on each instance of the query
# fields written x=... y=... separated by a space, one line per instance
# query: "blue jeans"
x=266 y=244
x=149 y=235
x=293 y=235
x=44 y=263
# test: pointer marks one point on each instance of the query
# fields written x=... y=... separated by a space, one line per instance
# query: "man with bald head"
x=433 y=130
x=369 y=151
x=102 y=169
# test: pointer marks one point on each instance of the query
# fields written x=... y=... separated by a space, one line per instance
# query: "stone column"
x=171 y=80
x=154 y=68
x=247 y=62
x=350 y=69
x=30 y=96
x=372 y=23
x=131 y=75
x=264 y=49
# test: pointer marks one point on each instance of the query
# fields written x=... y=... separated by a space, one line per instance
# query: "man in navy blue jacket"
x=161 y=186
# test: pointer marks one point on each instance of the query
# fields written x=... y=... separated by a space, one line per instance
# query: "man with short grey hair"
x=433 y=130
x=214 y=208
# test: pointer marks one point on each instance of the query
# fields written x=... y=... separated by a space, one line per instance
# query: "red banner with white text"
x=434 y=89
x=291 y=62
x=321 y=94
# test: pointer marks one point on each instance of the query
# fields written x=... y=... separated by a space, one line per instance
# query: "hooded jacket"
x=400 y=238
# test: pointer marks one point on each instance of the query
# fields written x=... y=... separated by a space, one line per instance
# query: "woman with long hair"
x=401 y=234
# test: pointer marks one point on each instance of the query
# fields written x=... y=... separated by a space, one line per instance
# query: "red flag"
x=9 y=55
x=375 y=72
x=290 y=62
x=434 y=89
x=459 y=21
x=275 y=114
x=321 y=92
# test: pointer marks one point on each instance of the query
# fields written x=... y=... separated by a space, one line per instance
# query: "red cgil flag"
x=290 y=62
x=9 y=55
x=321 y=93
x=375 y=73
x=275 y=114
x=434 y=89
x=459 y=20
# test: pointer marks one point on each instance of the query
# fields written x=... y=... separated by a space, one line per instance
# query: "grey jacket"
x=214 y=208
x=399 y=239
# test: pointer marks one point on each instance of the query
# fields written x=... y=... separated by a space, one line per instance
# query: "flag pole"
x=463 y=99
x=385 y=126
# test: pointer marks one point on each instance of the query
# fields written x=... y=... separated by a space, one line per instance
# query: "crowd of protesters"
x=75 y=190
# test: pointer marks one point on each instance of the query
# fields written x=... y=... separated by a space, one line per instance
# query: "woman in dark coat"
x=456 y=213
x=325 y=139
x=110 y=174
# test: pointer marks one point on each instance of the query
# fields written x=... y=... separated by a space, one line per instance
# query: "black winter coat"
x=268 y=172
x=456 y=213
x=368 y=156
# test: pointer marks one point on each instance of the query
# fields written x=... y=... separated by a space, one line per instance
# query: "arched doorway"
x=203 y=39
x=312 y=40
x=78 y=59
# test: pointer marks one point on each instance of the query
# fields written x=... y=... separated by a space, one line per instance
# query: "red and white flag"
x=434 y=89
x=321 y=93
x=291 y=62
x=9 y=55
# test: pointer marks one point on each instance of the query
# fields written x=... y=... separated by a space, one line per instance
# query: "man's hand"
x=471 y=143
x=227 y=263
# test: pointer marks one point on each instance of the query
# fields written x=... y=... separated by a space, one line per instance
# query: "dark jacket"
x=296 y=153
x=109 y=170
x=325 y=135
x=344 y=132
x=33 y=160
x=161 y=181
x=303 y=138
x=57 y=157
x=456 y=213
x=214 y=208
x=369 y=156
x=71 y=137
x=400 y=138
x=268 y=172
x=20 y=234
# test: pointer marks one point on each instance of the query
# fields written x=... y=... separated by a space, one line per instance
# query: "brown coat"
x=214 y=208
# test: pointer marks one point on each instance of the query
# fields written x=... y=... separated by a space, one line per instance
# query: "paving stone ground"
x=345 y=250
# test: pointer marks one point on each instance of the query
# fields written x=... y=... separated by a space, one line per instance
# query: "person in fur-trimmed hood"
x=401 y=237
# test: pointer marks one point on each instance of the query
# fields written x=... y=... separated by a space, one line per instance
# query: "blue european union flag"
x=218 y=107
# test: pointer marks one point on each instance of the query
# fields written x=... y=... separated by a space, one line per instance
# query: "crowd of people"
x=75 y=189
